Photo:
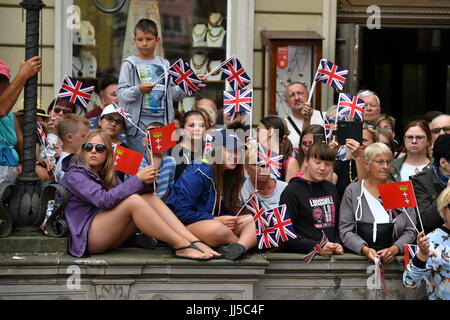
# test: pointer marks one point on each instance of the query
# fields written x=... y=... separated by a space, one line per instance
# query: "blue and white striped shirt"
x=166 y=174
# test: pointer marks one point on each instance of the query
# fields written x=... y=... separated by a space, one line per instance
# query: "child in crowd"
x=190 y=149
x=164 y=163
x=145 y=100
x=72 y=129
x=313 y=204
x=273 y=134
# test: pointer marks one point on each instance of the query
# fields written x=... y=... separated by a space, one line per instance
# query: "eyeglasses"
x=382 y=162
x=111 y=120
x=65 y=111
x=417 y=138
x=306 y=144
x=88 y=147
x=446 y=129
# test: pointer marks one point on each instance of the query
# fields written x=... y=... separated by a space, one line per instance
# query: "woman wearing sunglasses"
x=432 y=263
x=102 y=212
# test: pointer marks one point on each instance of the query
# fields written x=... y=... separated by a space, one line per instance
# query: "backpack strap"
x=294 y=126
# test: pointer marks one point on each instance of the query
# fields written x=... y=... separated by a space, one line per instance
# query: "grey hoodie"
x=132 y=100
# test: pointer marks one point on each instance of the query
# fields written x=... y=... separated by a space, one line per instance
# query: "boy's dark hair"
x=107 y=80
x=146 y=25
x=156 y=124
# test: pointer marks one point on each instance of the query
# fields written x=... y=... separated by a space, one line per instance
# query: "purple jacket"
x=88 y=197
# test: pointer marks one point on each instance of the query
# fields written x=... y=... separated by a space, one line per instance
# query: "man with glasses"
x=440 y=125
x=108 y=95
x=429 y=183
x=56 y=110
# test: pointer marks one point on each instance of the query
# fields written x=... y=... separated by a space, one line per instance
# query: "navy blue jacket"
x=193 y=197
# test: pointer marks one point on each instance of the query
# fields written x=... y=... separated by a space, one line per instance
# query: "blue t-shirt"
x=8 y=139
x=149 y=71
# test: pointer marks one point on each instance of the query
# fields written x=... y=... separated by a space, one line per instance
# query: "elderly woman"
x=365 y=227
x=432 y=262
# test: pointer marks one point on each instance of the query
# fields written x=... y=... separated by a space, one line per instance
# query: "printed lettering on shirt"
x=323 y=212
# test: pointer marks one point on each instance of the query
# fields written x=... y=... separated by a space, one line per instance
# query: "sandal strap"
x=190 y=246
x=198 y=241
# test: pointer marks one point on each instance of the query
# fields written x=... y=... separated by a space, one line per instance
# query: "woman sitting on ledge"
x=365 y=227
x=432 y=262
x=103 y=213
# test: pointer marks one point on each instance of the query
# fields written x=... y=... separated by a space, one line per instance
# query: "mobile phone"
x=349 y=130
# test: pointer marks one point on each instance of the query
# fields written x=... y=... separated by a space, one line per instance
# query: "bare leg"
x=172 y=220
x=213 y=232
x=109 y=225
x=246 y=234
x=129 y=230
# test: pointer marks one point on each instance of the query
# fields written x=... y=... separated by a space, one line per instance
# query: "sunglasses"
x=64 y=111
x=446 y=129
x=88 y=147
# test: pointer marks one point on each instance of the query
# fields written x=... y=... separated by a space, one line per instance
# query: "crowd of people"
x=193 y=198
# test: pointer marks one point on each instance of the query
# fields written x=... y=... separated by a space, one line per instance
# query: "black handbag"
x=384 y=234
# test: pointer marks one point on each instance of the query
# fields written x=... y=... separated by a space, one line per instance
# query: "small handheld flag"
x=330 y=74
x=350 y=105
x=409 y=252
x=316 y=249
x=281 y=222
x=235 y=74
x=75 y=91
x=269 y=159
x=237 y=102
x=397 y=195
x=162 y=139
x=127 y=160
x=184 y=77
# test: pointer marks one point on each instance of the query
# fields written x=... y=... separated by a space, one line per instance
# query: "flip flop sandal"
x=232 y=251
x=190 y=246
x=201 y=241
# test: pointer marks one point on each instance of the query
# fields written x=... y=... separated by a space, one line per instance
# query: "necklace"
x=215 y=37
x=79 y=71
x=350 y=173
x=217 y=22
x=201 y=64
x=203 y=29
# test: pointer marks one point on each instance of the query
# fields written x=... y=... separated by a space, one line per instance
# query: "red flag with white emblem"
x=127 y=160
x=162 y=139
x=397 y=195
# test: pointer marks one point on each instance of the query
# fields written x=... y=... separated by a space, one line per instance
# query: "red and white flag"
x=127 y=160
x=163 y=138
x=397 y=195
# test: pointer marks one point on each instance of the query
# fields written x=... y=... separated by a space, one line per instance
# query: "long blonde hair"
x=107 y=174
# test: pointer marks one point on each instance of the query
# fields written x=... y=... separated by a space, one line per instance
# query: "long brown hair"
x=107 y=174
x=228 y=182
x=283 y=133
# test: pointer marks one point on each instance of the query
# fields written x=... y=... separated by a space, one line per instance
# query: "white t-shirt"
x=294 y=137
x=408 y=170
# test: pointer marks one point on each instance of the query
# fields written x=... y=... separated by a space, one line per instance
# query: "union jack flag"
x=209 y=139
x=41 y=134
x=264 y=233
x=235 y=74
x=330 y=74
x=122 y=112
x=350 y=105
x=316 y=249
x=269 y=159
x=184 y=77
x=75 y=91
x=410 y=251
x=327 y=127
x=282 y=224
x=237 y=102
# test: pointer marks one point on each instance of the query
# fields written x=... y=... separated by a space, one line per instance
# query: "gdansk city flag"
x=163 y=138
x=397 y=195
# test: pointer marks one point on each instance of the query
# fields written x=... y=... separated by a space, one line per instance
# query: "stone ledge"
x=133 y=273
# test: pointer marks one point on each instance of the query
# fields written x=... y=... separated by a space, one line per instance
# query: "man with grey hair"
x=302 y=115
x=439 y=126
x=373 y=107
